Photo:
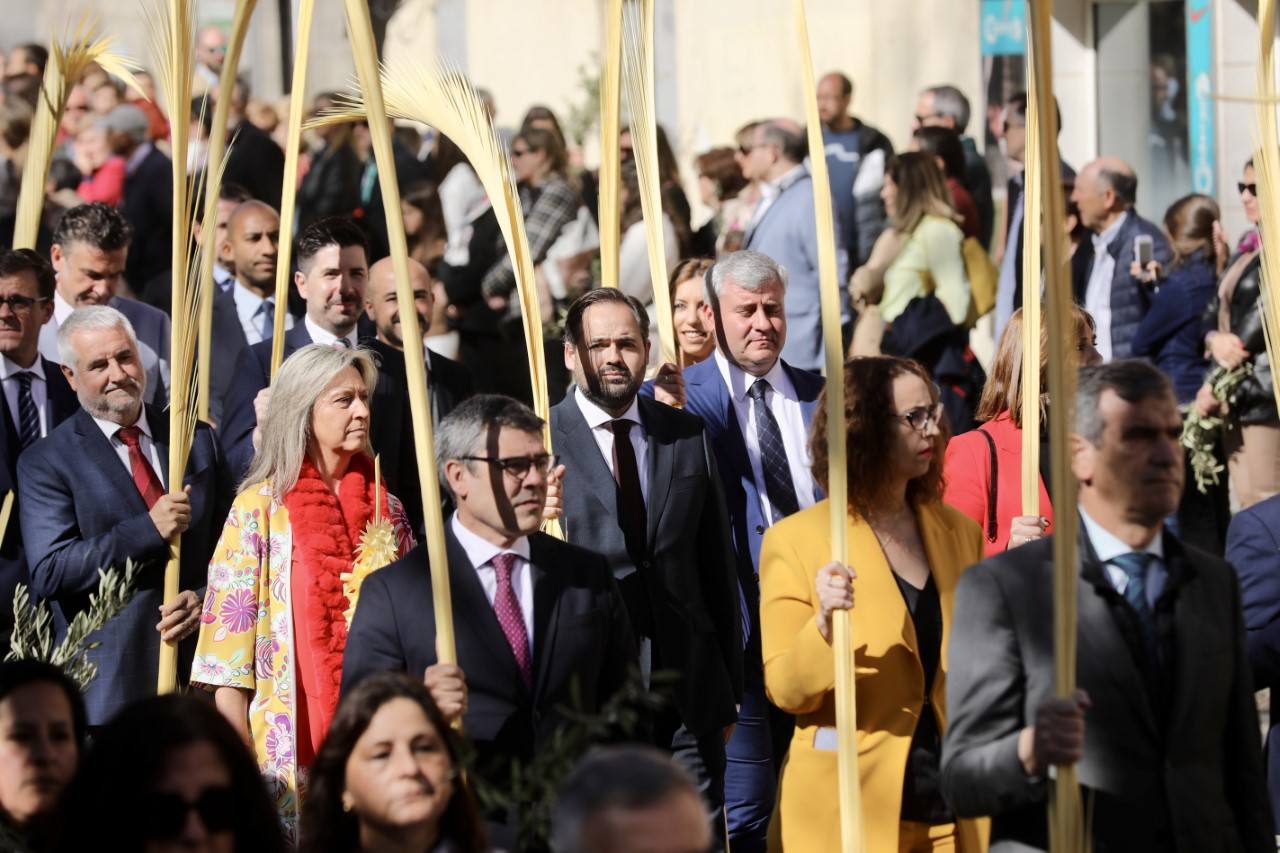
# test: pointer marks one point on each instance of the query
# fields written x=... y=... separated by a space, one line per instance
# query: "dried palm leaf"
x=849 y=786
x=68 y=60
x=610 y=145
x=1266 y=164
x=1029 y=361
x=213 y=183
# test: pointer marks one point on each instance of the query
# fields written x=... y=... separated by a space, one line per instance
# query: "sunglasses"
x=1251 y=188
x=164 y=815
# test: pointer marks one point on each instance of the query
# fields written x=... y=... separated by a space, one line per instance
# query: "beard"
x=115 y=408
x=612 y=396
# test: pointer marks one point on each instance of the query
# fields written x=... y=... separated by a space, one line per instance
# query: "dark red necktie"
x=144 y=476
x=506 y=606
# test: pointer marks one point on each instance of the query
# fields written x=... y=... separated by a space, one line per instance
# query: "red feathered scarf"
x=326 y=529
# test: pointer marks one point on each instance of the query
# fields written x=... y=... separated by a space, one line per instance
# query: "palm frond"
x=1266 y=164
x=610 y=145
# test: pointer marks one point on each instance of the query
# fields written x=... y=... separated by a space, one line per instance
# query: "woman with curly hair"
x=389 y=776
x=906 y=553
x=274 y=626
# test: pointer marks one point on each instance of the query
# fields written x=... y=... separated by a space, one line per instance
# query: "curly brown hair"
x=868 y=416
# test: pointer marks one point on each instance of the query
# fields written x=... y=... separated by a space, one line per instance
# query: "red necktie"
x=507 y=608
x=144 y=476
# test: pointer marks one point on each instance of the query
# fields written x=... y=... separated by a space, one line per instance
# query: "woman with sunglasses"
x=1233 y=337
x=168 y=774
x=274 y=626
x=906 y=552
x=389 y=777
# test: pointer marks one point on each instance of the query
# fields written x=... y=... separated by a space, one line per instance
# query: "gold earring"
x=346 y=803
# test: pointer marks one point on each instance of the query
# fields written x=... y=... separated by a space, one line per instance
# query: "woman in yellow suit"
x=906 y=552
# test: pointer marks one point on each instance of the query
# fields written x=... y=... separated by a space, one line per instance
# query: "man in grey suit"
x=89 y=253
x=783 y=227
x=641 y=488
x=1163 y=729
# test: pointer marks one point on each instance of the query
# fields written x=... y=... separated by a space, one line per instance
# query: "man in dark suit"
x=448 y=383
x=254 y=161
x=90 y=250
x=749 y=398
x=245 y=314
x=93 y=495
x=332 y=270
x=640 y=487
x=37 y=397
x=1163 y=729
x=148 y=193
x=540 y=624
x=1253 y=550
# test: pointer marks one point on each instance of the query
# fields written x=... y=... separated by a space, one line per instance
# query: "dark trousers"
x=704 y=758
x=754 y=757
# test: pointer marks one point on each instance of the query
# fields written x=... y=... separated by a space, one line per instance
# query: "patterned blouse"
x=247 y=633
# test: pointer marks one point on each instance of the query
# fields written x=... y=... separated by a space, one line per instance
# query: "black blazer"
x=689 y=578
x=252 y=374
x=582 y=644
x=255 y=162
x=1172 y=760
x=148 y=205
x=81 y=512
x=391 y=424
x=62 y=404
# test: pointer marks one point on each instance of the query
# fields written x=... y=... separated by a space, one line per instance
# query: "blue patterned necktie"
x=28 y=414
x=773 y=455
x=268 y=312
x=1134 y=565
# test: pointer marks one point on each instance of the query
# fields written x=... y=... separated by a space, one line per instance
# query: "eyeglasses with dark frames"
x=21 y=304
x=518 y=466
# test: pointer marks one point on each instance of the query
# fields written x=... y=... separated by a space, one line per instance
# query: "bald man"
x=245 y=314
x=211 y=50
x=391 y=427
x=1105 y=192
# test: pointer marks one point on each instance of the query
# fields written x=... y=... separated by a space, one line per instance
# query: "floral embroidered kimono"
x=249 y=639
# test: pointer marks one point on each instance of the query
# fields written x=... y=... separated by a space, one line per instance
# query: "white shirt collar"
x=480 y=551
x=739 y=381
x=597 y=417
x=1107 y=546
x=1102 y=241
x=322 y=336
x=773 y=189
x=110 y=428
x=61 y=308
x=9 y=368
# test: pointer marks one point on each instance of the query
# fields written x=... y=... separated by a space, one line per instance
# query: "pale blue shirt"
x=1097 y=295
x=250 y=308
x=1107 y=546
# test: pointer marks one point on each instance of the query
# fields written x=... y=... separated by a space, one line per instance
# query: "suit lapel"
x=160 y=435
x=546 y=613
x=578 y=446
x=661 y=465
x=875 y=582
x=97 y=448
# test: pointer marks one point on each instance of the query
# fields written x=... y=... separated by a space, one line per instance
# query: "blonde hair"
x=1003 y=391
x=286 y=431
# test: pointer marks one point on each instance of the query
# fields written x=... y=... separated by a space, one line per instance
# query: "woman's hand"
x=1227 y=349
x=1207 y=403
x=1151 y=274
x=1026 y=528
x=835 y=592
x=1221 y=245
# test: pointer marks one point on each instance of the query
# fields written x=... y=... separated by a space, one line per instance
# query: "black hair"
x=339 y=231
x=95 y=224
x=573 y=319
x=944 y=143
x=15 y=674
x=19 y=261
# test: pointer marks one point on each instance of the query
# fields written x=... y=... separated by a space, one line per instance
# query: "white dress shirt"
x=223 y=277
x=61 y=309
x=39 y=390
x=250 y=308
x=770 y=190
x=1107 y=546
x=1097 y=295
x=322 y=336
x=785 y=405
x=481 y=551
x=146 y=444
x=601 y=430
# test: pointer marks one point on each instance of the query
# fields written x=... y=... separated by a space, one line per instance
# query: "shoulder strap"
x=991 y=486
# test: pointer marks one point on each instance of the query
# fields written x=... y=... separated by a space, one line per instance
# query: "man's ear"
x=70 y=376
x=570 y=357
x=300 y=282
x=1083 y=458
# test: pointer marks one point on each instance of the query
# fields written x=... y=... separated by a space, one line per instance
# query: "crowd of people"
x=673 y=649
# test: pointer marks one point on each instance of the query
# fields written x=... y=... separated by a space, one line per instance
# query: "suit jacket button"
x=760 y=529
x=644 y=564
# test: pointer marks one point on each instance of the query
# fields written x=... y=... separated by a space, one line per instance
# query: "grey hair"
x=1132 y=379
x=463 y=430
x=627 y=777
x=950 y=102
x=91 y=318
x=792 y=145
x=286 y=432
x=747 y=269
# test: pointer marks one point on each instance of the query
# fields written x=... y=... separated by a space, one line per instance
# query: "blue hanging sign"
x=1004 y=27
x=1200 y=105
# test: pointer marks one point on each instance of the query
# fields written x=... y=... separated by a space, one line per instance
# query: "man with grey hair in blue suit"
x=784 y=228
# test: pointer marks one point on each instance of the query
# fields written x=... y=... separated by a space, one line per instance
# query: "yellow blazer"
x=799 y=672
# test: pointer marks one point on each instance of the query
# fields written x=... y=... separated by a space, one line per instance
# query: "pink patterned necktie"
x=507 y=608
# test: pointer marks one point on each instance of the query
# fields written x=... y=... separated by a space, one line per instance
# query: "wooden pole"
x=289 y=190
x=212 y=185
x=1030 y=364
x=850 y=789
x=365 y=51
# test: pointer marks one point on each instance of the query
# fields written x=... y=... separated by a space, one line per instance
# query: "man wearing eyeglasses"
x=540 y=626
x=37 y=397
x=641 y=488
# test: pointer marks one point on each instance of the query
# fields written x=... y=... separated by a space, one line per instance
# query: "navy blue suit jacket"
x=81 y=512
x=1253 y=550
x=252 y=374
x=62 y=404
x=708 y=397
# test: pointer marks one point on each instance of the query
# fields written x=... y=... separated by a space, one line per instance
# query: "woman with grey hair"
x=275 y=618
